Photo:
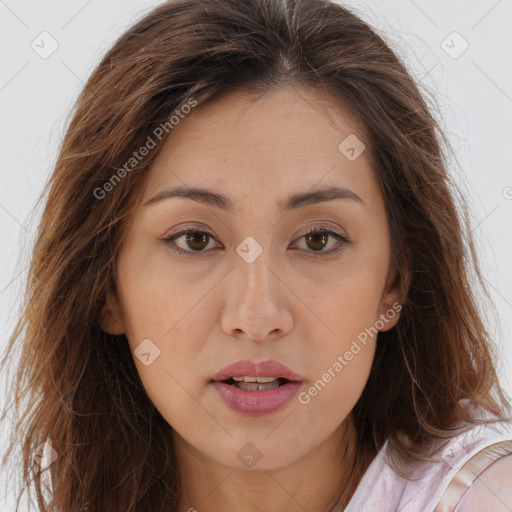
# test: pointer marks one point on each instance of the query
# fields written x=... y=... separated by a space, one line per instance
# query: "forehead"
x=284 y=140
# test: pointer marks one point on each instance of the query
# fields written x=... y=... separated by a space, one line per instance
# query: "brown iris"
x=197 y=238
x=317 y=237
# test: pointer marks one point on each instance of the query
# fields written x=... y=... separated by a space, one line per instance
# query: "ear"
x=394 y=296
x=110 y=319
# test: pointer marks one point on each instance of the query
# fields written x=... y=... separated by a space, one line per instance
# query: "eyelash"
x=342 y=241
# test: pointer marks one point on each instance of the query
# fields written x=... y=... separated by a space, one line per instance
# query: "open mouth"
x=276 y=385
x=257 y=384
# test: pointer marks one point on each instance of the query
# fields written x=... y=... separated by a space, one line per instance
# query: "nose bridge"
x=252 y=269
x=255 y=303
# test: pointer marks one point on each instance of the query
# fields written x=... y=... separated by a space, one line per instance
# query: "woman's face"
x=252 y=285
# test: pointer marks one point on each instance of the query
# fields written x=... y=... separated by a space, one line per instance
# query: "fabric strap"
x=469 y=472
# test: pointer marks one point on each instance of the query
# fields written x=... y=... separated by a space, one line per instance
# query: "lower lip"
x=256 y=403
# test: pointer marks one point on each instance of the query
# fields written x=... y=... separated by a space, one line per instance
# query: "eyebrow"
x=292 y=202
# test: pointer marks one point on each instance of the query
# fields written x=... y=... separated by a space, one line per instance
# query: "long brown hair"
x=78 y=388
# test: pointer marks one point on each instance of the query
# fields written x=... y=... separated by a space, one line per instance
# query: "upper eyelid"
x=198 y=229
x=320 y=225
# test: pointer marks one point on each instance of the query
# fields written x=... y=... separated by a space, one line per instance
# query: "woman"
x=250 y=287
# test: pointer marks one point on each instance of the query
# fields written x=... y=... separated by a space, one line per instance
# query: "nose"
x=257 y=301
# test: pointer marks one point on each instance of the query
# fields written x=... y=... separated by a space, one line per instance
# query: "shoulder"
x=491 y=491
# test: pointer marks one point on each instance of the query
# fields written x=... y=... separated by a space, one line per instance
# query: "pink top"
x=439 y=485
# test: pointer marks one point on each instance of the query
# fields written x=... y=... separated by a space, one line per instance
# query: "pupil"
x=322 y=237
x=195 y=237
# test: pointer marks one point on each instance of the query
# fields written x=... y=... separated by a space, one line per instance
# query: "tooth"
x=255 y=386
x=248 y=378
x=266 y=379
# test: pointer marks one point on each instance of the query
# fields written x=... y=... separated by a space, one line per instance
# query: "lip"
x=256 y=403
x=267 y=368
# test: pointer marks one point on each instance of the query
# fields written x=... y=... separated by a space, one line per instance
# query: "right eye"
x=193 y=239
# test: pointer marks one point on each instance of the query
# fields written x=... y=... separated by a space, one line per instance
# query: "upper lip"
x=247 y=367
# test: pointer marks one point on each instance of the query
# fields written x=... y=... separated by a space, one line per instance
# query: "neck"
x=317 y=481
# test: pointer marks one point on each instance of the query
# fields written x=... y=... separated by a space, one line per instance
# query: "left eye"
x=198 y=241
x=320 y=237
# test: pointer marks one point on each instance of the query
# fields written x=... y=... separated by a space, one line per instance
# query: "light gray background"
x=473 y=93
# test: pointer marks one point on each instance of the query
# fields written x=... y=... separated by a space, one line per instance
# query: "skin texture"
x=290 y=304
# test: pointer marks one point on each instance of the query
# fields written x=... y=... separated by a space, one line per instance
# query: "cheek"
x=345 y=339
x=347 y=343
x=341 y=376
x=155 y=294
x=343 y=358
x=160 y=307
x=349 y=300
